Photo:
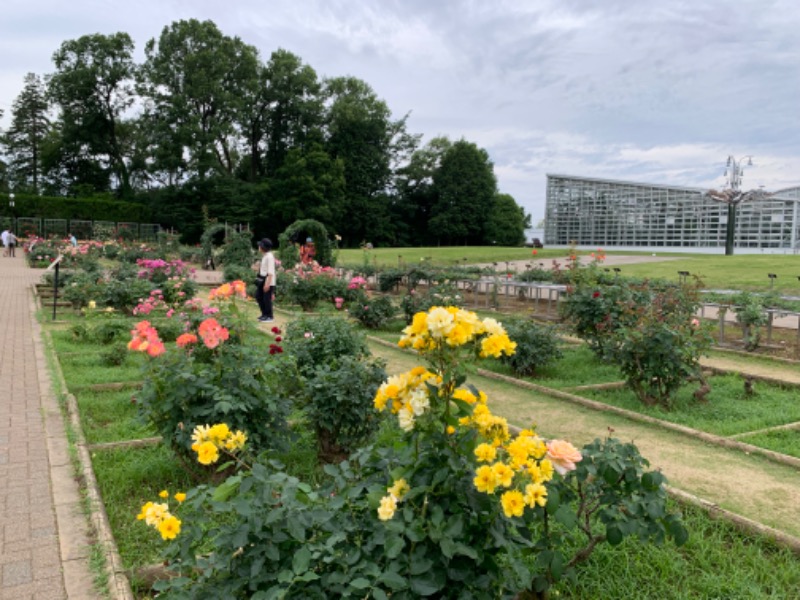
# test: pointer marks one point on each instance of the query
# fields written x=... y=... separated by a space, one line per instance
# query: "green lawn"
x=742 y=272
x=111 y=416
x=786 y=441
x=726 y=411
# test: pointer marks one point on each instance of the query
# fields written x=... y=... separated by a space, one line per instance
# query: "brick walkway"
x=43 y=535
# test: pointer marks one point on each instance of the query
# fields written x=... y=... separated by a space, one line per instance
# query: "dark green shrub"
x=316 y=341
x=423 y=300
x=237 y=257
x=339 y=404
x=124 y=294
x=111 y=251
x=307 y=288
x=83 y=288
x=752 y=316
x=114 y=356
x=372 y=313
x=596 y=311
x=389 y=279
x=537 y=345
x=109 y=331
x=659 y=346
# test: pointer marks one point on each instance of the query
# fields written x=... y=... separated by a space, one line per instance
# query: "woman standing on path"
x=265 y=282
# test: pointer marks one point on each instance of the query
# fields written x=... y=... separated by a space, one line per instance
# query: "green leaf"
x=448 y=547
x=308 y=576
x=360 y=583
x=679 y=533
x=455 y=525
x=301 y=560
x=394 y=580
x=379 y=594
x=226 y=489
x=420 y=565
x=394 y=545
x=468 y=551
x=296 y=530
x=285 y=576
x=553 y=501
x=565 y=516
x=557 y=566
x=428 y=584
x=614 y=535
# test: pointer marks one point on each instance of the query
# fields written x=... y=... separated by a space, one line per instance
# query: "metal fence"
x=81 y=229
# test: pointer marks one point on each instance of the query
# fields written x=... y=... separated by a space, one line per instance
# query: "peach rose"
x=563 y=455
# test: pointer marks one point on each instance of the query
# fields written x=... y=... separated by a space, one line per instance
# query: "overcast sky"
x=641 y=90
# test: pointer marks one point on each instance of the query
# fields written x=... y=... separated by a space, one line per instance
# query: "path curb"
x=118 y=585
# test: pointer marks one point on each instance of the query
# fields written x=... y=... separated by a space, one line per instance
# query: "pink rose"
x=695 y=323
x=563 y=455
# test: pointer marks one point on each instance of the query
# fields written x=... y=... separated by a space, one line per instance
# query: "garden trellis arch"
x=305 y=228
x=207 y=239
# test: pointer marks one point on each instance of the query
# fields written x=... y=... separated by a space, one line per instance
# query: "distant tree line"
x=204 y=127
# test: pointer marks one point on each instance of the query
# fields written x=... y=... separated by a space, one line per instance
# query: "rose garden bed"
x=128 y=477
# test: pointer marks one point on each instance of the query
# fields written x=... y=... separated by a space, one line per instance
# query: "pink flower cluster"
x=312 y=269
x=173 y=268
x=357 y=283
x=153 y=302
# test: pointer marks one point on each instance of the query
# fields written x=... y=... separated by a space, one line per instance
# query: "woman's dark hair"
x=265 y=244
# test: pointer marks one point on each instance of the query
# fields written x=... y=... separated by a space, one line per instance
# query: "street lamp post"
x=733 y=196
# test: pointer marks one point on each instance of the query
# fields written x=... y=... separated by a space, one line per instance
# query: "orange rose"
x=563 y=455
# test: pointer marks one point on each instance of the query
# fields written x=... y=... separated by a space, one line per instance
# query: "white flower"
x=419 y=402
x=440 y=322
x=493 y=327
x=406 y=419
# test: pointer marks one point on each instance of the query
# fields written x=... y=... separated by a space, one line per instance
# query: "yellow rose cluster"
x=209 y=440
x=389 y=502
x=406 y=395
x=520 y=463
x=454 y=327
x=157 y=515
x=488 y=425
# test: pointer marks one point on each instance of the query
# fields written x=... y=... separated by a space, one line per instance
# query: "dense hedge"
x=89 y=209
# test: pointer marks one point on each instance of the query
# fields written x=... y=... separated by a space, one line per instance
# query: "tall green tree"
x=282 y=110
x=416 y=193
x=93 y=87
x=507 y=222
x=294 y=117
x=465 y=188
x=361 y=133
x=195 y=80
x=23 y=141
x=309 y=185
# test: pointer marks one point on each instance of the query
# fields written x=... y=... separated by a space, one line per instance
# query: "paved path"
x=43 y=535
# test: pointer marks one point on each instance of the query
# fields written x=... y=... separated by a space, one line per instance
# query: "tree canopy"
x=204 y=121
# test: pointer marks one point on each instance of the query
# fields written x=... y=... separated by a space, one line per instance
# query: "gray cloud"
x=659 y=92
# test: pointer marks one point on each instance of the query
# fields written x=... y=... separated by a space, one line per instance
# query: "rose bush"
x=453 y=506
x=210 y=375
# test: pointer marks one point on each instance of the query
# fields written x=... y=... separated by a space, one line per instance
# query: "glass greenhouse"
x=606 y=213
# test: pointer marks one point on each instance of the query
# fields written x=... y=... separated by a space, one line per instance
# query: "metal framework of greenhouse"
x=608 y=213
